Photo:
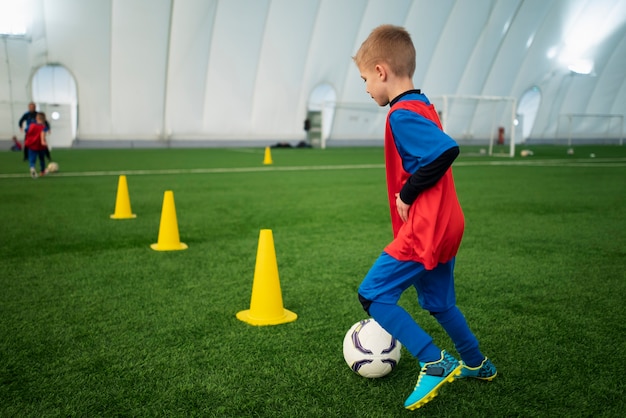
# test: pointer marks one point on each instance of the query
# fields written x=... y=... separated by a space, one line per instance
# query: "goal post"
x=479 y=120
x=469 y=120
x=588 y=129
x=354 y=123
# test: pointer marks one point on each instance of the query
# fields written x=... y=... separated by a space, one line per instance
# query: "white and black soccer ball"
x=369 y=350
x=52 y=167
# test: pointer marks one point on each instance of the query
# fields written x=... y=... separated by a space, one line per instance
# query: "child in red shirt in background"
x=36 y=143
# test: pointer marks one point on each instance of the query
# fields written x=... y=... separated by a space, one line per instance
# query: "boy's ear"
x=381 y=72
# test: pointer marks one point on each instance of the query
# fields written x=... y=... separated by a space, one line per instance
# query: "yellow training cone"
x=169 y=239
x=266 y=305
x=268 y=156
x=122 y=202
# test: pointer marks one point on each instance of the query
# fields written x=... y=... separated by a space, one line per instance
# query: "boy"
x=25 y=121
x=426 y=217
x=16 y=144
x=36 y=143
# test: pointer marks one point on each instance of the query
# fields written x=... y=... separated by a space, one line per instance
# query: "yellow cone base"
x=179 y=246
x=169 y=239
x=122 y=201
x=130 y=216
x=266 y=304
x=247 y=316
x=267 y=160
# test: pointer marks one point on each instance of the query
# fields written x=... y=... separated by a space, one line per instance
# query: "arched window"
x=322 y=99
x=54 y=91
x=527 y=111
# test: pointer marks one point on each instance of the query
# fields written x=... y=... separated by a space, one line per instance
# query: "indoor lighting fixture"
x=581 y=66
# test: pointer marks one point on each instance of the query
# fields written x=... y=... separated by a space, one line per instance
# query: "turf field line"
x=596 y=162
x=206 y=170
x=580 y=162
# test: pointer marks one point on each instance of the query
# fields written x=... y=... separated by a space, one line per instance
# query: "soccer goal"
x=355 y=124
x=589 y=129
x=480 y=120
x=473 y=120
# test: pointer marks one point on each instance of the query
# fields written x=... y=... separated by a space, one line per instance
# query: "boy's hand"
x=403 y=208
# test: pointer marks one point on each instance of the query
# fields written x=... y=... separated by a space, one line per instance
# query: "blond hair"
x=391 y=45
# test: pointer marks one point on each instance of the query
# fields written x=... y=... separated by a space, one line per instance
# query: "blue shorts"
x=389 y=278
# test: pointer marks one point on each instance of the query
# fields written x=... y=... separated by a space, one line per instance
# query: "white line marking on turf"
x=206 y=170
x=597 y=162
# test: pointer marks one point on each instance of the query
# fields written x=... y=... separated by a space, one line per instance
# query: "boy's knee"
x=366 y=303
x=441 y=314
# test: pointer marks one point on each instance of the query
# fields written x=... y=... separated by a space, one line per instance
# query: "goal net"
x=356 y=124
x=10 y=114
x=588 y=129
x=470 y=120
x=479 y=120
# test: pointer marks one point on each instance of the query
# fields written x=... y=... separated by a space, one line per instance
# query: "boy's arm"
x=43 y=139
x=427 y=176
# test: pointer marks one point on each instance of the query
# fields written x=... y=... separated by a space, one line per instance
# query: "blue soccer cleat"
x=485 y=371
x=432 y=376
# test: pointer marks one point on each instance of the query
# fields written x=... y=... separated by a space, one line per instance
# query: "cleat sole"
x=435 y=391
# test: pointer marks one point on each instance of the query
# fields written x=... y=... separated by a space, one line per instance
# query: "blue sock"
x=454 y=323
x=396 y=321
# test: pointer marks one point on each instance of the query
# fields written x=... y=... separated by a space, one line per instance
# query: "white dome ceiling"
x=245 y=69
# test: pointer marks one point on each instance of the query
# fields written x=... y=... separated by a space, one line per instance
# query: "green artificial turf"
x=96 y=323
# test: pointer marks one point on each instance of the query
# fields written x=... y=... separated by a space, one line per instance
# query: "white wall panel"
x=281 y=67
x=190 y=46
x=232 y=72
x=613 y=85
x=376 y=13
x=425 y=24
x=456 y=45
x=78 y=36
x=610 y=71
x=14 y=88
x=139 y=48
x=486 y=53
x=244 y=69
x=329 y=57
x=530 y=39
x=15 y=81
x=537 y=68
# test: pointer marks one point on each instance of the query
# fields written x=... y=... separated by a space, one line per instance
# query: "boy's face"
x=374 y=78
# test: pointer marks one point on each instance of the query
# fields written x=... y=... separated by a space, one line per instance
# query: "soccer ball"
x=52 y=167
x=369 y=350
x=526 y=153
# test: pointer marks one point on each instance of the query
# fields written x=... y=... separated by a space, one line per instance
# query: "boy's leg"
x=454 y=323
x=42 y=161
x=402 y=326
x=436 y=294
x=32 y=160
x=379 y=293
